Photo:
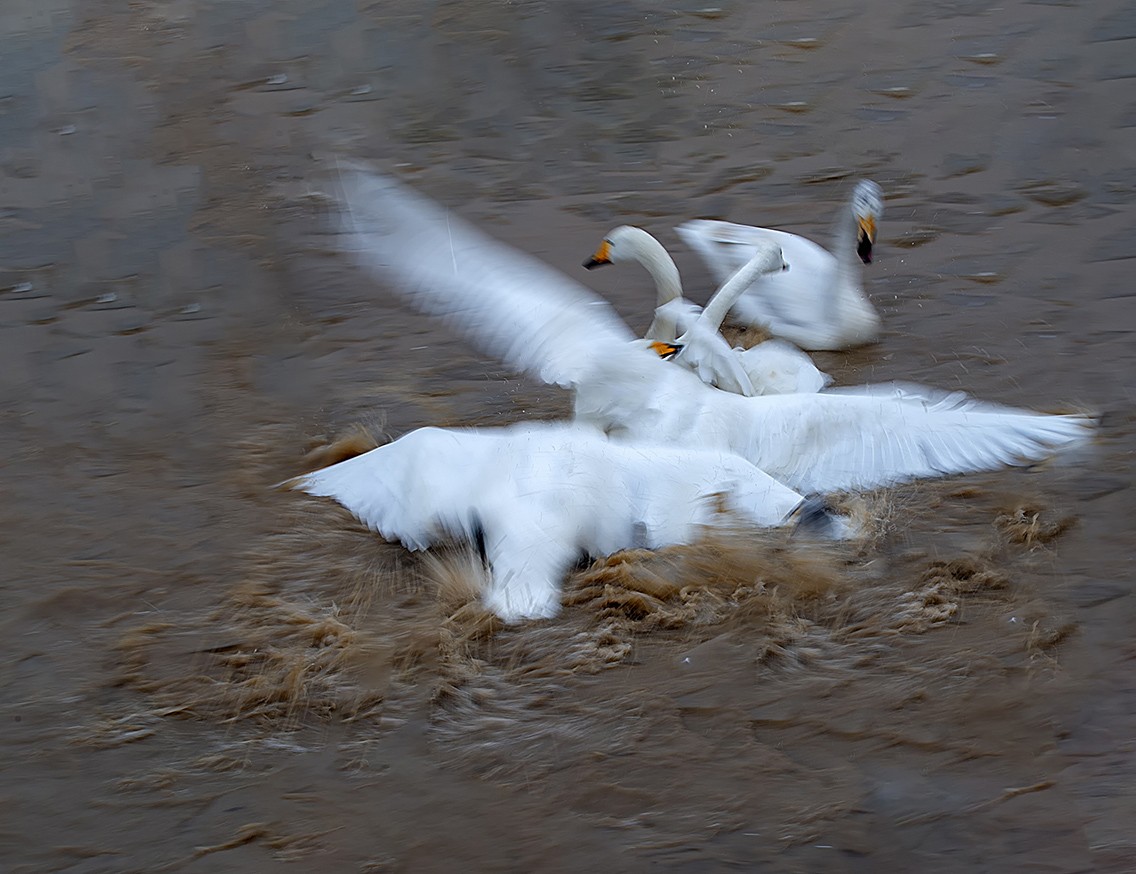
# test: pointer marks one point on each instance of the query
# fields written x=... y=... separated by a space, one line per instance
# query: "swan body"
x=779 y=368
x=820 y=303
x=536 y=496
x=535 y=319
x=772 y=367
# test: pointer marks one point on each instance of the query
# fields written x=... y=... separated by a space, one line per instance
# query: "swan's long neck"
x=844 y=302
x=767 y=260
x=848 y=265
x=668 y=286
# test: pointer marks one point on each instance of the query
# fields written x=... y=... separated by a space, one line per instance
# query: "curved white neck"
x=849 y=268
x=767 y=260
x=649 y=252
x=642 y=247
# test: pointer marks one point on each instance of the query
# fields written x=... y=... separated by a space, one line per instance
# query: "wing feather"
x=507 y=303
x=880 y=435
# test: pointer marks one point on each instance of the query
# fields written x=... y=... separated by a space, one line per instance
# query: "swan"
x=533 y=318
x=535 y=496
x=701 y=348
x=773 y=366
x=820 y=303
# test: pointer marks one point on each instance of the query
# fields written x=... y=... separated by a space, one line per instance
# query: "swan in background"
x=533 y=318
x=536 y=496
x=773 y=366
x=820 y=303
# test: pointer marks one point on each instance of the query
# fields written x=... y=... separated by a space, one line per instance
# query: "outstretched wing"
x=415 y=490
x=880 y=435
x=507 y=303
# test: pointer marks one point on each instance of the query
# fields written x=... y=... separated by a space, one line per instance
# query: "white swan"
x=773 y=366
x=536 y=320
x=820 y=303
x=536 y=496
x=701 y=348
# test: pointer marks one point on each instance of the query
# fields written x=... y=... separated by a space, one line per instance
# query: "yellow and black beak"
x=666 y=350
x=865 y=237
x=602 y=256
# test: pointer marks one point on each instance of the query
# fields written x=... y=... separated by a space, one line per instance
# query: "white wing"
x=725 y=247
x=869 y=437
x=819 y=303
x=539 y=494
x=415 y=490
x=509 y=304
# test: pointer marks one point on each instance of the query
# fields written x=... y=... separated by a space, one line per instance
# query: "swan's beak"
x=666 y=350
x=865 y=237
x=602 y=256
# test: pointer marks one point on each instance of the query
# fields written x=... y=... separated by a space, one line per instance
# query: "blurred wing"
x=414 y=490
x=507 y=303
x=725 y=247
x=877 y=436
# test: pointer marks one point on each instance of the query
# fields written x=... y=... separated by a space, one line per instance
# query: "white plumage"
x=820 y=303
x=539 y=495
x=780 y=368
x=533 y=318
x=772 y=367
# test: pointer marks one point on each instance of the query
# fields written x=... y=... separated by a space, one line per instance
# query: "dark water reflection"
x=173 y=329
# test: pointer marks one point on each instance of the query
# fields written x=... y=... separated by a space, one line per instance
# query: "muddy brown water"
x=199 y=674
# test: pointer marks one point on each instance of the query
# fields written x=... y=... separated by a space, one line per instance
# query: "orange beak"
x=665 y=350
x=602 y=256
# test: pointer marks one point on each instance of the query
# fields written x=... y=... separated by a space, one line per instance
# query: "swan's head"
x=625 y=243
x=768 y=257
x=867 y=208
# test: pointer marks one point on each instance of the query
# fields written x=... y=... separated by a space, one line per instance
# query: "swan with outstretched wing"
x=820 y=303
x=537 y=496
x=535 y=319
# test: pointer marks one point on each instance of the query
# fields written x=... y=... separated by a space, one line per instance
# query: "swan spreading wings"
x=536 y=496
x=821 y=303
x=536 y=320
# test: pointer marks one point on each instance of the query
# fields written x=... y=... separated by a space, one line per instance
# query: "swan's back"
x=776 y=368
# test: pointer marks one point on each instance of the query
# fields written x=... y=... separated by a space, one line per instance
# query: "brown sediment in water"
x=201 y=673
